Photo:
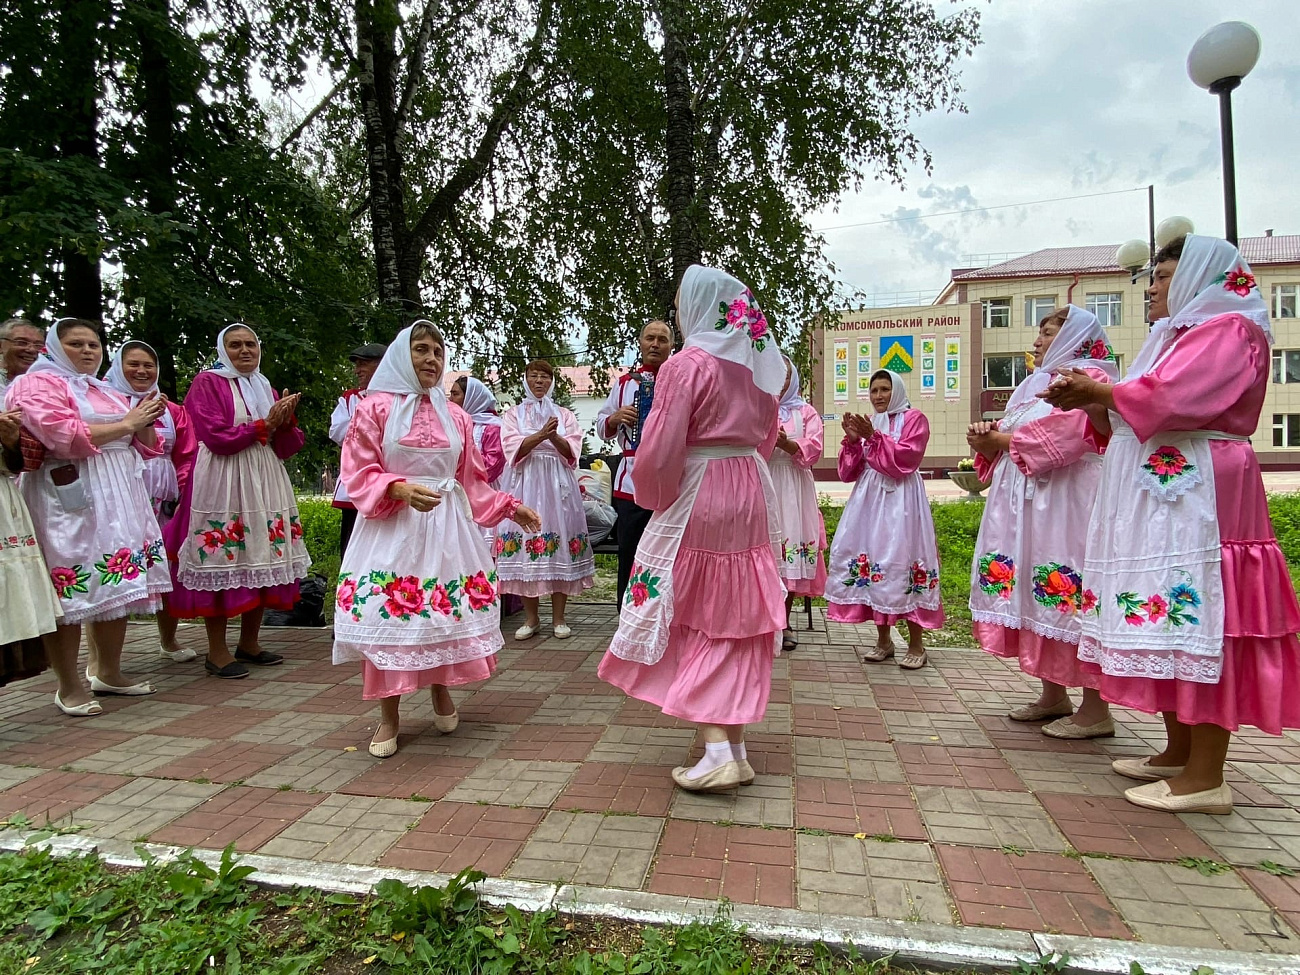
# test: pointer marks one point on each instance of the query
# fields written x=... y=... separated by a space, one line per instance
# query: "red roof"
x=1100 y=259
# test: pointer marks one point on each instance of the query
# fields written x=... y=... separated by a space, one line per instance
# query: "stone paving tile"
x=550 y=743
x=52 y=796
x=767 y=802
x=833 y=758
x=1172 y=905
x=246 y=817
x=1004 y=733
x=140 y=755
x=953 y=730
x=642 y=745
x=411 y=775
x=848 y=724
x=143 y=805
x=587 y=848
x=455 y=836
x=510 y=782
x=12 y=775
x=590 y=709
x=1055 y=772
x=963 y=768
x=640 y=790
x=980 y=817
x=1116 y=827
x=1033 y=892
x=216 y=721
x=868 y=878
x=1280 y=893
x=314 y=769
x=278 y=696
x=842 y=806
x=291 y=728
x=907 y=697
x=140 y=714
x=832 y=695
x=643 y=715
x=62 y=747
x=744 y=864
x=347 y=829
x=224 y=761
x=1251 y=834
x=493 y=707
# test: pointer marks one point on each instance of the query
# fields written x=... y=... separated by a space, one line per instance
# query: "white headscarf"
x=1211 y=280
x=1080 y=343
x=55 y=360
x=792 y=401
x=116 y=378
x=718 y=314
x=480 y=403
x=396 y=374
x=534 y=411
x=898 y=404
x=253 y=386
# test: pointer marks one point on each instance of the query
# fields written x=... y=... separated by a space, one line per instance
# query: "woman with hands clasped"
x=542 y=441
x=884 y=562
x=417 y=600
x=90 y=508
x=1028 y=589
x=235 y=541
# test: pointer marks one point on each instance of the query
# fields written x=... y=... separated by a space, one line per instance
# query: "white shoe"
x=131 y=690
x=562 y=631
x=177 y=656
x=527 y=632
x=79 y=710
x=384 y=749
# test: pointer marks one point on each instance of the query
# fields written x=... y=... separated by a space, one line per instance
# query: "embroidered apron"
x=646 y=615
x=797 y=512
x=1154 y=559
x=417 y=589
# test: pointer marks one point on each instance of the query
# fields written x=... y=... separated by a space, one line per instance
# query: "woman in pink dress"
x=134 y=373
x=417 y=600
x=803 y=532
x=884 y=560
x=235 y=542
x=89 y=507
x=1196 y=615
x=1027 y=591
x=702 y=617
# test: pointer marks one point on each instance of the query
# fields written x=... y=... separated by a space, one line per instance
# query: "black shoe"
x=232 y=670
x=263 y=658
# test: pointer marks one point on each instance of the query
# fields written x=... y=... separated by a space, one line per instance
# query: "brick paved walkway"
x=879 y=792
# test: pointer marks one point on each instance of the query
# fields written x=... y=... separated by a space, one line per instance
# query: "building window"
x=1286 y=300
x=1038 y=308
x=1286 y=366
x=1106 y=307
x=1286 y=429
x=1004 y=371
x=997 y=312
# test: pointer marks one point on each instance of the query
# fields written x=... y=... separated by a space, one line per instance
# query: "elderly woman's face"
x=139 y=369
x=1047 y=333
x=83 y=349
x=243 y=349
x=881 y=391
x=1158 y=291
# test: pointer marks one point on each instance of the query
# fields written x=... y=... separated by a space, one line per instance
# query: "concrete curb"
x=935 y=946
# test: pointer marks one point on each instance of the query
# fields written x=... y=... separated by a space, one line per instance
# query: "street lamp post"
x=1219 y=59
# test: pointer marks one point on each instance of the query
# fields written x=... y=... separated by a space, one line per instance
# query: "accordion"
x=643 y=399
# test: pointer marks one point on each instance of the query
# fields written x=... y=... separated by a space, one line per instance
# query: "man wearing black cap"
x=365 y=361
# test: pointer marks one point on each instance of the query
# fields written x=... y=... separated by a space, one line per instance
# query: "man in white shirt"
x=620 y=417
x=365 y=361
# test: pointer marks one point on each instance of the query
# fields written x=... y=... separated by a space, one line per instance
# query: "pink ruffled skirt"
x=1040 y=656
x=391 y=683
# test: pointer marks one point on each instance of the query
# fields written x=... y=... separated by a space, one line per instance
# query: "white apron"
x=884 y=554
x=1154 y=559
x=796 y=511
x=1029 y=557
x=545 y=482
x=417 y=590
x=244 y=527
x=106 y=560
x=646 y=615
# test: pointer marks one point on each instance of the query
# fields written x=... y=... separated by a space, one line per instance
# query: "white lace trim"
x=1152 y=664
x=1021 y=623
x=424 y=657
x=217 y=579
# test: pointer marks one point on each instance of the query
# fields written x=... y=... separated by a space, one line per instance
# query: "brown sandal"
x=878 y=655
x=914 y=661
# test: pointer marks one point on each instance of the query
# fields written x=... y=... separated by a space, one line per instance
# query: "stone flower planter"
x=969 y=482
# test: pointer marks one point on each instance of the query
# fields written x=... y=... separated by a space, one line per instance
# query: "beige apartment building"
x=963 y=354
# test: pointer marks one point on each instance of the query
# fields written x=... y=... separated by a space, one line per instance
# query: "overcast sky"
x=1072 y=97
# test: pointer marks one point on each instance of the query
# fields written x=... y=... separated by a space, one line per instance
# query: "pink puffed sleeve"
x=211 y=407
x=361 y=468
x=186 y=447
x=661 y=453
x=1184 y=392
x=494 y=458
x=852 y=460
x=901 y=457
x=812 y=441
x=488 y=506
x=50 y=415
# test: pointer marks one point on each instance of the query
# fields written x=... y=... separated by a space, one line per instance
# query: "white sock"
x=716 y=754
x=738 y=752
